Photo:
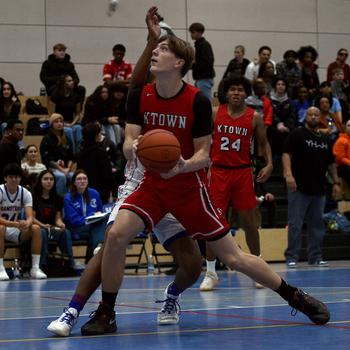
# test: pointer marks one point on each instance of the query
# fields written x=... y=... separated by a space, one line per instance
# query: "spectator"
x=235 y=68
x=337 y=84
x=329 y=123
x=10 y=105
x=47 y=213
x=56 y=153
x=266 y=73
x=81 y=202
x=284 y=117
x=307 y=56
x=301 y=104
x=339 y=62
x=260 y=102
x=307 y=157
x=117 y=69
x=203 y=67
x=66 y=101
x=93 y=159
x=9 y=150
x=13 y=228
x=98 y=108
x=58 y=64
x=252 y=69
x=290 y=71
x=31 y=167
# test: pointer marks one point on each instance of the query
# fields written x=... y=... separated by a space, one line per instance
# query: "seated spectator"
x=236 y=67
x=252 y=69
x=10 y=105
x=346 y=105
x=57 y=65
x=117 y=70
x=13 y=228
x=284 y=117
x=266 y=73
x=260 y=102
x=57 y=154
x=337 y=84
x=79 y=203
x=47 y=213
x=307 y=56
x=290 y=71
x=301 y=104
x=93 y=159
x=98 y=108
x=31 y=167
x=9 y=149
x=66 y=101
x=342 y=56
x=329 y=123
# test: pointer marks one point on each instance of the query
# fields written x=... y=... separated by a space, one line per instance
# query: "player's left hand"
x=177 y=169
x=264 y=173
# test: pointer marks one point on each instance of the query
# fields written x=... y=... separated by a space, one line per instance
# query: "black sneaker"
x=314 y=309
x=102 y=321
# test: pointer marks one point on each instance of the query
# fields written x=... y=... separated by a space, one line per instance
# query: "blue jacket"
x=73 y=208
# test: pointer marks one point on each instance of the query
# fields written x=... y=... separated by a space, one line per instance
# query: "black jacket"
x=203 y=67
x=52 y=69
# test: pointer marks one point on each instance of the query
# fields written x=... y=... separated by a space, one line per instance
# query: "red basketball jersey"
x=232 y=138
x=155 y=112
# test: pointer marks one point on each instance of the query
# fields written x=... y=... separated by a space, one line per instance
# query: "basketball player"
x=231 y=176
x=183 y=190
x=170 y=234
x=13 y=199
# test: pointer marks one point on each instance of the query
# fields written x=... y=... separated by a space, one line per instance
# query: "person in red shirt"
x=231 y=179
x=342 y=56
x=172 y=104
x=117 y=69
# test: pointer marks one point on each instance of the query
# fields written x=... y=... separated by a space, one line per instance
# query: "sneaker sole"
x=58 y=332
x=206 y=289
x=167 y=322
x=111 y=329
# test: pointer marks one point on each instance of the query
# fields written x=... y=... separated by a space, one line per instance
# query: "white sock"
x=211 y=266
x=35 y=261
x=1 y=263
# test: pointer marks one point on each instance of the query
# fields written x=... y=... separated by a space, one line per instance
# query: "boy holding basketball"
x=183 y=190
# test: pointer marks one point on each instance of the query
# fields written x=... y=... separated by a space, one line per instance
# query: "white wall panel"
x=22 y=12
x=333 y=16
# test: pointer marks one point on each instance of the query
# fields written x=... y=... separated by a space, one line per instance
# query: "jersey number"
x=225 y=144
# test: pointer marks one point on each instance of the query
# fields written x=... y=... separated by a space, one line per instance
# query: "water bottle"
x=16 y=270
x=150 y=265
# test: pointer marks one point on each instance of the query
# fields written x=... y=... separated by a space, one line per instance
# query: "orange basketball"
x=159 y=150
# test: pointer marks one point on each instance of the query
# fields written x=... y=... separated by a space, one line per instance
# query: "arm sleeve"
x=133 y=115
x=27 y=198
x=203 y=124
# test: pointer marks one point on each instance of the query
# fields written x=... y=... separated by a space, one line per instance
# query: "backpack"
x=34 y=106
x=37 y=127
x=336 y=222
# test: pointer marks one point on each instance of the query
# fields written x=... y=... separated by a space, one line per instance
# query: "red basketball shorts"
x=186 y=197
x=233 y=187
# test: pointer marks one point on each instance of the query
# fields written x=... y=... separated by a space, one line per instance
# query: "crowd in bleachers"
x=87 y=132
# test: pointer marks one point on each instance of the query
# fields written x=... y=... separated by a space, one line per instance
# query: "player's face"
x=312 y=117
x=236 y=95
x=12 y=182
x=163 y=59
x=81 y=182
x=47 y=182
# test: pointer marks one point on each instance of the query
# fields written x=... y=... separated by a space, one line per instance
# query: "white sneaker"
x=77 y=265
x=37 y=274
x=97 y=249
x=3 y=274
x=169 y=314
x=291 y=264
x=64 y=324
x=210 y=281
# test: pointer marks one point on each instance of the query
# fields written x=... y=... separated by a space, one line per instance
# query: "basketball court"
x=235 y=315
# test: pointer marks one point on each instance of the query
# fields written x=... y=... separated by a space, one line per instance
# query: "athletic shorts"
x=185 y=196
x=166 y=231
x=233 y=187
x=12 y=234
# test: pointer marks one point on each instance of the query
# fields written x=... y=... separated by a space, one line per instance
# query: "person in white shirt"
x=252 y=69
x=13 y=228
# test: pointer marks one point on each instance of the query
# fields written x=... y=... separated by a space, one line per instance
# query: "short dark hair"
x=318 y=100
x=340 y=50
x=12 y=169
x=279 y=78
x=196 y=27
x=262 y=48
x=12 y=122
x=90 y=131
x=290 y=53
x=236 y=81
x=119 y=47
x=325 y=84
x=118 y=87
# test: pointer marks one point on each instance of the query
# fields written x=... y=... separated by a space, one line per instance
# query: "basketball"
x=159 y=150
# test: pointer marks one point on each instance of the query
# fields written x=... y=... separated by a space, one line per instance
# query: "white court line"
x=230 y=307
